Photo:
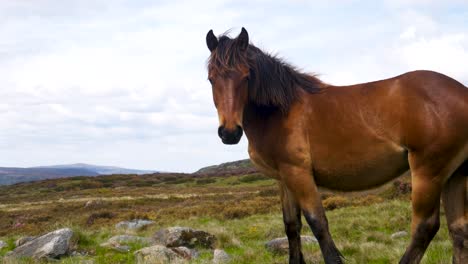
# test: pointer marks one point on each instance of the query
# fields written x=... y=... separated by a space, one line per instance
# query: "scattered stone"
x=158 y=255
x=186 y=253
x=2 y=244
x=51 y=245
x=120 y=242
x=23 y=240
x=122 y=248
x=86 y=261
x=76 y=253
x=184 y=236
x=220 y=256
x=399 y=234
x=281 y=245
x=134 y=224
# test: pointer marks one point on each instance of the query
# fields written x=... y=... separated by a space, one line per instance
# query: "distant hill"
x=10 y=175
x=101 y=170
x=229 y=168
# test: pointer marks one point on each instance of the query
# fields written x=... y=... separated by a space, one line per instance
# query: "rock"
x=184 y=236
x=220 y=256
x=134 y=224
x=120 y=242
x=186 y=253
x=281 y=245
x=399 y=234
x=23 y=240
x=126 y=239
x=158 y=255
x=51 y=245
x=86 y=261
x=2 y=244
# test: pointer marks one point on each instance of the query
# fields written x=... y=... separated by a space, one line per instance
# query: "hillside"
x=228 y=168
x=9 y=175
x=15 y=175
x=101 y=170
x=242 y=211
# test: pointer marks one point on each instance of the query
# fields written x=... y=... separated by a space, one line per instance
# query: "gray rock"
x=125 y=239
x=2 y=244
x=122 y=248
x=184 y=236
x=134 y=224
x=186 y=253
x=51 y=245
x=23 y=240
x=86 y=261
x=281 y=245
x=158 y=255
x=399 y=234
x=220 y=256
x=120 y=242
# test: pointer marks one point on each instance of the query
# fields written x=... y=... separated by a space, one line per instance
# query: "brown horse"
x=306 y=133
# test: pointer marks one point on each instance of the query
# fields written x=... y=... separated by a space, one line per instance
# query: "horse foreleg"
x=292 y=224
x=301 y=184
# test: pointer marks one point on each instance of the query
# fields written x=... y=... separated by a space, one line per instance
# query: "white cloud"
x=124 y=82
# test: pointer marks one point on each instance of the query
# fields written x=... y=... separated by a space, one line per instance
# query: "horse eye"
x=211 y=81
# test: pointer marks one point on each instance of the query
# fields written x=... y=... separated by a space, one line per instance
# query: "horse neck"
x=257 y=120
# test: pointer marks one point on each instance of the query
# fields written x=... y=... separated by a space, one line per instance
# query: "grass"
x=243 y=211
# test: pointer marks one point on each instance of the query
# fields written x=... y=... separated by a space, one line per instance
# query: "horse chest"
x=263 y=163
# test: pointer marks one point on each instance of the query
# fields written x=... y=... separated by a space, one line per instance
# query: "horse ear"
x=211 y=40
x=243 y=39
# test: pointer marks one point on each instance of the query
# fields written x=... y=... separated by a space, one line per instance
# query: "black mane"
x=272 y=81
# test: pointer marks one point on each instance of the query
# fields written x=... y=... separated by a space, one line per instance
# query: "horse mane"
x=273 y=83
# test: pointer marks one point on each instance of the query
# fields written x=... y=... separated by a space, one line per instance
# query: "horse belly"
x=360 y=169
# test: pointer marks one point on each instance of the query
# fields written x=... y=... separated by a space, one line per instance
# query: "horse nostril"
x=238 y=129
x=221 y=131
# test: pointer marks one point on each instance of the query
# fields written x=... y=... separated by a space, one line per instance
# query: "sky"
x=124 y=82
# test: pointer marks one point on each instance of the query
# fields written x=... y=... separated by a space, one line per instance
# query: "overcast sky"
x=124 y=82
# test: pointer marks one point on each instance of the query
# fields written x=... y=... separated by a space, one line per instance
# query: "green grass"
x=362 y=233
x=243 y=211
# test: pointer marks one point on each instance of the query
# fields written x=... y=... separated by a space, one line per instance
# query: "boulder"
x=220 y=257
x=134 y=224
x=158 y=255
x=184 y=236
x=281 y=245
x=51 y=245
x=2 y=244
x=120 y=242
x=186 y=253
x=399 y=234
x=23 y=240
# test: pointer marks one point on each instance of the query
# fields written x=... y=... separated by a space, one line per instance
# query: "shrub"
x=205 y=181
x=335 y=202
x=236 y=212
x=253 y=178
x=93 y=217
x=368 y=200
x=269 y=192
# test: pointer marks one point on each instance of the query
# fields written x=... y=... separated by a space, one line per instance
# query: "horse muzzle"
x=230 y=136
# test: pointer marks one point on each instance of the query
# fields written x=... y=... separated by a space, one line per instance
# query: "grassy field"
x=243 y=211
